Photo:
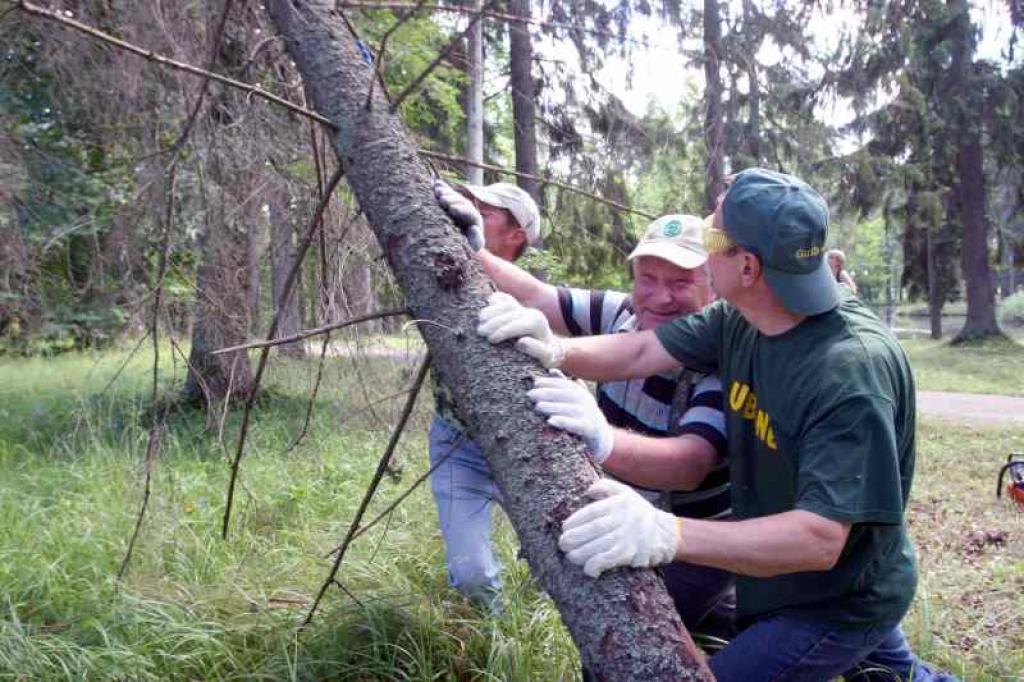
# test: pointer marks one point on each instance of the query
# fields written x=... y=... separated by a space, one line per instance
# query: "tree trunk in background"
x=223 y=298
x=282 y=256
x=475 y=99
x=523 y=112
x=981 y=298
x=714 y=133
x=970 y=181
x=624 y=623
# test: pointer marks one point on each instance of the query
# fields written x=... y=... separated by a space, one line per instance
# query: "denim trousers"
x=783 y=648
x=464 y=492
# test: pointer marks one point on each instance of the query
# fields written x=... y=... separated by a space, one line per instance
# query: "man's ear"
x=518 y=238
x=751 y=269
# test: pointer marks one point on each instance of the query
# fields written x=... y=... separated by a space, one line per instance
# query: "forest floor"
x=193 y=606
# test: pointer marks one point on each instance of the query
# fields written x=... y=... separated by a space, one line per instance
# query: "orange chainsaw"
x=1015 y=487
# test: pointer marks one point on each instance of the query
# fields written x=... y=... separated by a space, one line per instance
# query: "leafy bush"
x=1012 y=309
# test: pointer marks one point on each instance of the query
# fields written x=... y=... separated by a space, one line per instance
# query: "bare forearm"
x=525 y=288
x=616 y=357
x=676 y=463
x=772 y=545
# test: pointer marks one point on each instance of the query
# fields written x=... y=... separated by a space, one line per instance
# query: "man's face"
x=663 y=291
x=724 y=265
x=502 y=235
x=834 y=263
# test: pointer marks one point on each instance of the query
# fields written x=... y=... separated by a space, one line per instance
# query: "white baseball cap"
x=514 y=198
x=679 y=239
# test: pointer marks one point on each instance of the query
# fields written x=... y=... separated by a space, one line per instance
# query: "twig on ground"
x=396 y=434
x=286 y=292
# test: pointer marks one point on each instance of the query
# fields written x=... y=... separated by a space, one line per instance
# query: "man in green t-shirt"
x=819 y=402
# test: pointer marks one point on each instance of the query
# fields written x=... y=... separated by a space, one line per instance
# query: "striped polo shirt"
x=644 y=405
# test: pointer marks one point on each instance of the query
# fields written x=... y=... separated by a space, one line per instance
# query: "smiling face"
x=663 y=291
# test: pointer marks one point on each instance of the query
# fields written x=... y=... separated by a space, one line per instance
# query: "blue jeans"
x=787 y=649
x=463 y=492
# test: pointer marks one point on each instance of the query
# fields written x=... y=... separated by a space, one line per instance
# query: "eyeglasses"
x=717 y=241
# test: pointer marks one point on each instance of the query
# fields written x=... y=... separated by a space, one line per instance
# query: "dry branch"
x=391 y=312
x=257 y=91
x=250 y=88
x=286 y=292
x=409 y=491
x=378 y=475
x=157 y=411
x=539 y=178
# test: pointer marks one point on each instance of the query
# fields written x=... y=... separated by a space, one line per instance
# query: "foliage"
x=1012 y=309
x=68 y=193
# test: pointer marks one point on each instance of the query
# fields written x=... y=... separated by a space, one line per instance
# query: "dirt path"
x=967 y=408
x=972 y=408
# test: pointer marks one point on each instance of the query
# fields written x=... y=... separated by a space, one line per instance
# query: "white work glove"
x=570 y=406
x=504 y=318
x=621 y=529
x=462 y=212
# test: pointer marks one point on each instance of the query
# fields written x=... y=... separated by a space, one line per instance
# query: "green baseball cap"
x=784 y=221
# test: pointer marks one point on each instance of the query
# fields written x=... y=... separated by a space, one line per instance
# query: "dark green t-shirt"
x=820 y=418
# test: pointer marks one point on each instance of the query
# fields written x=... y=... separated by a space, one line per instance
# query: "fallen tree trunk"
x=623 y=623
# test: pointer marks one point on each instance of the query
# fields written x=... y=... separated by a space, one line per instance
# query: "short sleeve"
x=586 y=312
x=848 y=464
x=704 y=415
x=694 y=339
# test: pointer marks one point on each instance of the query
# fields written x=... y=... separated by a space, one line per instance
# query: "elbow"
x=828 y=541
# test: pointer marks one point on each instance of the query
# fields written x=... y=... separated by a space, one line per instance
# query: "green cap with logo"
x=784 y=222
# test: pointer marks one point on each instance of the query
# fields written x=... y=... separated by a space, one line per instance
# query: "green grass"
x=196 y=607
x=969 y=609
x=985 y=367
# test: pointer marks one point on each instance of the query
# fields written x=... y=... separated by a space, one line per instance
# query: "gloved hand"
x=462 y=212
x=621 y=529
x=570 y=406
x=505 y=318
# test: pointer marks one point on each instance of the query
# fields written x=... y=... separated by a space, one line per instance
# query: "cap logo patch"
x=673 y=228
x=809 y=252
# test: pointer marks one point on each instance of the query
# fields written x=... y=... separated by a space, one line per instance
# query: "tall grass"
x=193 y=606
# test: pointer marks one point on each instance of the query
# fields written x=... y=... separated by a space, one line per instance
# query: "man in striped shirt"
x=674 y=420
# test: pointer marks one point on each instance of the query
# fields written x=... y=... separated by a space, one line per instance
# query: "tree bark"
x=970 y=183
x=624 y=623
x=282 y=255
x=523 y=111
x=475 y=99
x=714 y=123
x=223 y=299
x=981 y=299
